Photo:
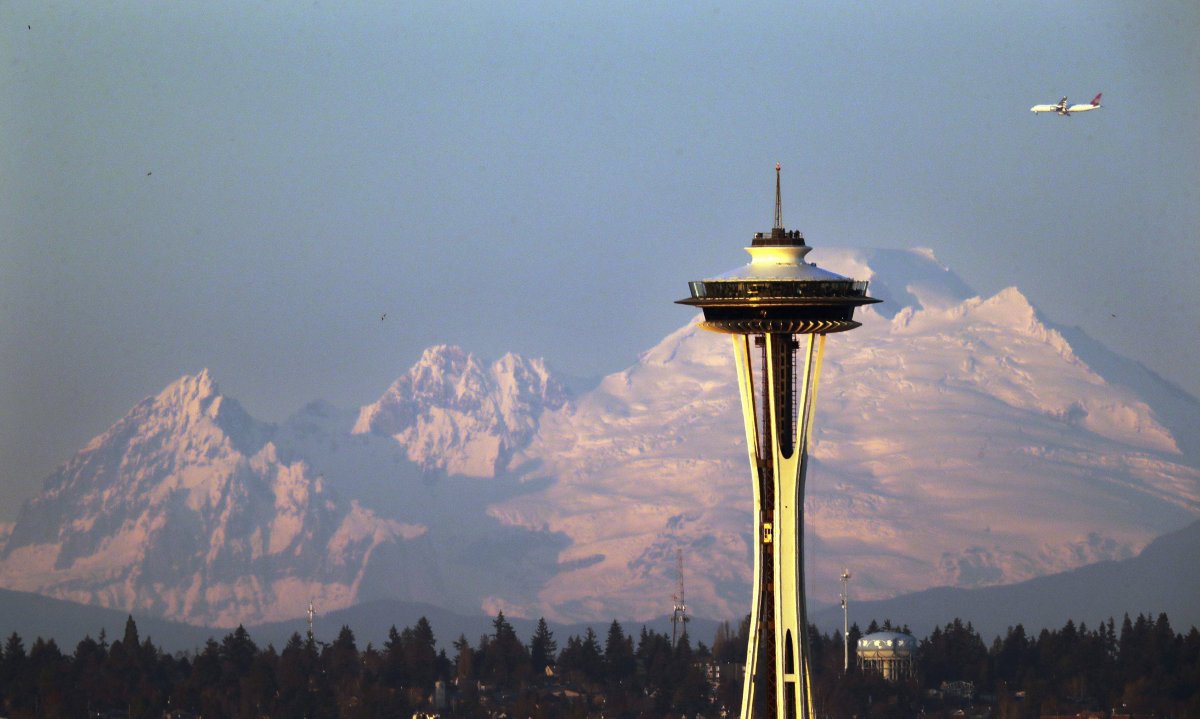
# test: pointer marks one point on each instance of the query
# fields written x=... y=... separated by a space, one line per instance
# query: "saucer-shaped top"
x=778 y=292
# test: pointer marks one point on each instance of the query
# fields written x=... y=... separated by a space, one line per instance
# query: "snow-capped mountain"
x=454 y=415
x=960 y=441
x=184 y=509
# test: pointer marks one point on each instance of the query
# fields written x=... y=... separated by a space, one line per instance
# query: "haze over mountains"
x=1149 y=583
x=960 y=441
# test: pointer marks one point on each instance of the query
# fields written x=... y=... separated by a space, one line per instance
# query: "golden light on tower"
x=778 y=309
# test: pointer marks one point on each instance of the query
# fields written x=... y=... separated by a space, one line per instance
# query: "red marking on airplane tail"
x=1096 y=99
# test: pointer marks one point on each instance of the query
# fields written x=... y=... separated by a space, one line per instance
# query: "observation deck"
x=778 y=292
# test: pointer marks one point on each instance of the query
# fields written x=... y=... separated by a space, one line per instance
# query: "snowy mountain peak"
x=454 y=415
x=900 y=278
x=960 y=440
x=184 y=508
x=190 y=388
x=445 y=373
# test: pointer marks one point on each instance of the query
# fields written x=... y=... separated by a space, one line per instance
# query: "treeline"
x=131 y=677
x=1142 y=668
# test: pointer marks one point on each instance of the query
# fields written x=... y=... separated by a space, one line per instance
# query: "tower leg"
x=778 y=680
x=745 y=372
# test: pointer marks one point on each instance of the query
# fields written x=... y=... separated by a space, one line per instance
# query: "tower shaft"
x=778 y=309
x=777 y=408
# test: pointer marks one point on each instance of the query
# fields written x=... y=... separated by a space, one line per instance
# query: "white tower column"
x=777 y=654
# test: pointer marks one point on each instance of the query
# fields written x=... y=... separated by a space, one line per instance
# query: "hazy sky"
x=249 y=186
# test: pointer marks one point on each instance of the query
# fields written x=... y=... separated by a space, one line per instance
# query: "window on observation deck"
x=726 y=289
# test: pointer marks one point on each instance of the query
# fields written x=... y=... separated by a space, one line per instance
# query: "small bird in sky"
x=383 y=317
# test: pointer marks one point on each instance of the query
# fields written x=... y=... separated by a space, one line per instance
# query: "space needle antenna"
x=778 y=200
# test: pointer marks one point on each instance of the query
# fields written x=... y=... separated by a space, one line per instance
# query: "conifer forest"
x=1133 y=668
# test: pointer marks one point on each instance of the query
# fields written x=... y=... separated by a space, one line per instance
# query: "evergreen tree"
x=237 y=652
x=581 y=660
x=619 y=660
x=464 y=660
x=570 y=661
x=340 y=662
x=655 y=657
x=542 y=648
x=690 y=687
x=49 y=674
x=303 y=689
x=204 y=692
x=505 y=659
x=130 y=639
x=727 y=646
x=1188 y=696
x=13 y=682
x=377 y=698
x=1011 y=655
x=591 y=660
x=853 y=636
x=230 y=662
x=420 y=656
x=394 y=673
x=87 y=674
x=131 y=668
x=954 y=652
x=259 y=687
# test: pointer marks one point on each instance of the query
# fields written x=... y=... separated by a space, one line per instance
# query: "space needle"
x=778 y=309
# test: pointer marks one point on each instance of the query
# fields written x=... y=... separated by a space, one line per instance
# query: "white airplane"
x=1062 y=109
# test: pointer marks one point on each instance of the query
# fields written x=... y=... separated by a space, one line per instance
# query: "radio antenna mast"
x=778 y=200
x=845 y=620
x=679 y=614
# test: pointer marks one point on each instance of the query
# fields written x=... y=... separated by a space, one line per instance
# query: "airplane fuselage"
x=1062 y=108
x=1048 y=108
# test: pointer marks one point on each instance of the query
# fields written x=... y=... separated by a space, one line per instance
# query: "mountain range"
x=1146 y=584
x=961 y=441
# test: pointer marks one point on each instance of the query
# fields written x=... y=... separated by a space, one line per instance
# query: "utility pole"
x=845 y=620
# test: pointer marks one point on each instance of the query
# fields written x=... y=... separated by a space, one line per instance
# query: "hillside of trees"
x=1141 y=668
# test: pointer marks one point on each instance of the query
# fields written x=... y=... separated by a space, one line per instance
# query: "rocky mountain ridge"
x=184 y=509
x=456 y=416
x=960 y=441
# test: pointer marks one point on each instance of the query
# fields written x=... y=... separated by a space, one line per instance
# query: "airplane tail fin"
x=1096 y=100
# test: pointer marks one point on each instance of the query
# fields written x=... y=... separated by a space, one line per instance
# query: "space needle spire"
x=778 y=201
x=778 y=309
